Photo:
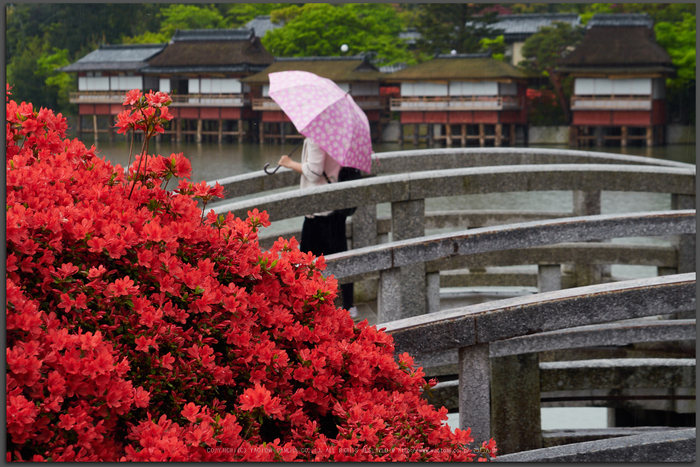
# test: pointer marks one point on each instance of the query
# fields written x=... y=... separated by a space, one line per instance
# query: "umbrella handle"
x=278 y=167
x=270 y=173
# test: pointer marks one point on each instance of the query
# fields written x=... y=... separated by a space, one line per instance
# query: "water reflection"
x=212 y=161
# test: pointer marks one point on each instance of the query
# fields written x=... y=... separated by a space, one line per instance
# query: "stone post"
x=432 y=293
x=587 y=203
x=685 y=244
x=516 y=423
x=364 y=233
x=408 y=221
x=548 y=277
x=475 y=391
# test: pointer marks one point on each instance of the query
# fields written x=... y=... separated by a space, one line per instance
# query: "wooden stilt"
x=448 y=135
x=623 y=136
x=221 y=131
x=482 y=138
x=199 y=130
x=499 y=134
x=282 y=138
x=94 y=126
x=400 y=133
x=431 y=129
x=415 y=134
x=464 y=135
x=650 y=136
x=512 y=134
x=262 y=131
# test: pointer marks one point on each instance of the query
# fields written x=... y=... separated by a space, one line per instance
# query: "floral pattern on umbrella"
x=325 y=114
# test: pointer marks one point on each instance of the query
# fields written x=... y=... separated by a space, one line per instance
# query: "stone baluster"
x=548 y=277
x=402 y=290
x=475 y=391
x=364 y=233
x=587 y=203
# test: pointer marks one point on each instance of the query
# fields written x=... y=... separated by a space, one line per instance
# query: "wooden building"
x=203 y=69
x=467 y=97
x=619 y=82
x=355 y=74
x=104 y=76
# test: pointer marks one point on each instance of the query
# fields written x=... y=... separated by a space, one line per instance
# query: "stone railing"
x=472 y=331
x=394 y=162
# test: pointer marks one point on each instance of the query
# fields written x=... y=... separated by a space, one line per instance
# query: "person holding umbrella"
x=337 y=134
x=323 y=233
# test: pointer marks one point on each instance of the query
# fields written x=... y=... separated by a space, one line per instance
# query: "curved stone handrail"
x=505 y=237
x=489 y=322
x=454 y=182
x=666 y=446
x=438 y=159
x=473 y=329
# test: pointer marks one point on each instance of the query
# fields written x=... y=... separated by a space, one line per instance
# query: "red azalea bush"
x=137 y=330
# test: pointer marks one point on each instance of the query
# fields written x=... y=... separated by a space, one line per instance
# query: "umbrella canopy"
x=325 y=114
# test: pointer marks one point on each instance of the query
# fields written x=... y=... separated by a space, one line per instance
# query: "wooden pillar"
x=499 y=134
x=282 y=138
x=400 y=133
x=512 y=134
x=415 y=134
x=464 y=134
x=431 y=133
x=448 y=135
x=94 y=126
x=650 y=136
x=110 y=129
x=241 y=133
x=623 y=137
x=221 y=131
x=573 y=136
x=262 y=131
x=178 y=130
x=482 y=139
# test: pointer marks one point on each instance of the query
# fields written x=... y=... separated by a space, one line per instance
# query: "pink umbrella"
x=325 y=114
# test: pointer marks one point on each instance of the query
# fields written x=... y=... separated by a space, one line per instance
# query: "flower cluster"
x=137 y=331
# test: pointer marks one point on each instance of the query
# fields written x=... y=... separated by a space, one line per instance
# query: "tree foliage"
x=319 y=29
x=452 y=26
x=544 y=49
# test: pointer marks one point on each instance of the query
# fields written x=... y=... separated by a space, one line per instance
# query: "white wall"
x=125 y=83
x=618 y=87
x=423 y=89
x=214 y=86
x=480 y=88
x=164 y=85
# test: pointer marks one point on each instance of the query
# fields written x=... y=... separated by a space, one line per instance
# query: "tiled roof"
x=392 y=68
x=212 y=35
x=410 y=36
x=261 y=24
x=520 y=27
x=614 y=46
x=202 y=56
x=620 y=19
x=458 y=67
x=116 y=57
x=338 y=69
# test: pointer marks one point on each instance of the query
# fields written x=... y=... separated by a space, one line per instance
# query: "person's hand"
x=285 y=161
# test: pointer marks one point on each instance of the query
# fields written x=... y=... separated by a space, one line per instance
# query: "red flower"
x=259 y=397
x=132 y=97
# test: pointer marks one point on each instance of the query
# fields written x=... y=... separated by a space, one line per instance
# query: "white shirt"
x=315 y=161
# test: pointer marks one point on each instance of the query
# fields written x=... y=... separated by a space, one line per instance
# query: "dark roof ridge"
x=476 y=55
x=317 y=59
x=182 y=35
x=536 y=15
x=131 y=46
x=620 y=19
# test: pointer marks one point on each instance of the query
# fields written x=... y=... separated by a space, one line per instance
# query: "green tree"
x=452 y=26
x=238 y=14
x=59 y=83
x=319 y=29
x=678 y=38
x=543 y=51
x=180 y=16
x=497 y=47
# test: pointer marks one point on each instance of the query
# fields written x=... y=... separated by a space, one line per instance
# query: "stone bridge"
x=585 y=339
